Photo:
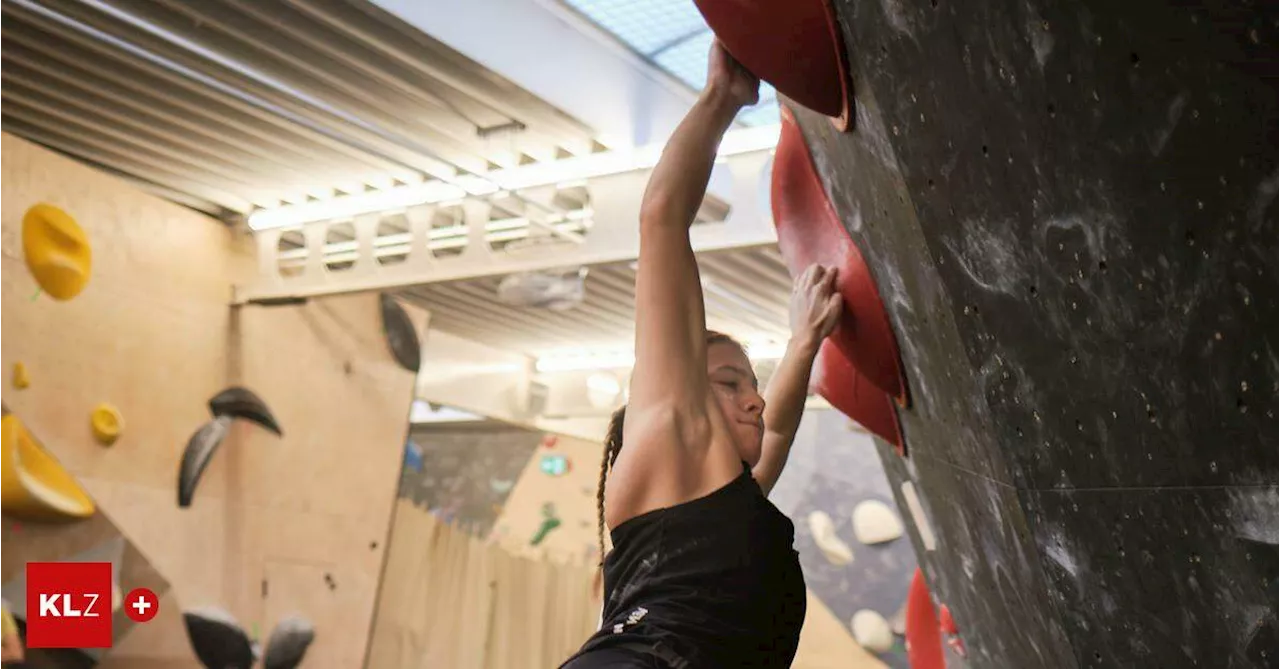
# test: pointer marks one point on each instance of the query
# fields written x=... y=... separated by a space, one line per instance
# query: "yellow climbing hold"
x=20 y=377
x=57 y=251
x=33 y=486
x=107 y=423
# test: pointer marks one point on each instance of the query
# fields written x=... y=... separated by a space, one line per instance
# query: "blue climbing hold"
x=412 y=456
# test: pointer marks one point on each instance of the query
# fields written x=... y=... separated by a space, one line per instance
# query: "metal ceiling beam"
x=562 y=58
x=614 y=236
x=127 y=76
x=122 y=163
x=89 y=26
x=461 y=83
x=316 y=72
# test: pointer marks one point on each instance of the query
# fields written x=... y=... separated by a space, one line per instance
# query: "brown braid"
x=613 y=446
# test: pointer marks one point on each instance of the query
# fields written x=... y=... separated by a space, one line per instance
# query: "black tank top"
x=713 y=582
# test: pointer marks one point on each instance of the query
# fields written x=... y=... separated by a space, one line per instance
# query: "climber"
x=703 y=572
x=11 y=648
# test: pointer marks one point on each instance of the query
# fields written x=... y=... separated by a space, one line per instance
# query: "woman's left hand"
x=815 y=305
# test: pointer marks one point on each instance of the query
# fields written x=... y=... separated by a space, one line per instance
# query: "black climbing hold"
x=402 y=337
x=195 y=458
x=243 y=403
x=217 y=639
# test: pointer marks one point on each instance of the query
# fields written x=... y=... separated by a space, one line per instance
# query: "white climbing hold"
x=872 y=631
x=875 y=523
x=823 y=529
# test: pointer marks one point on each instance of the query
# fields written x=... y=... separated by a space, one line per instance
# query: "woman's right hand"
x=816 y=305
x=729 y=78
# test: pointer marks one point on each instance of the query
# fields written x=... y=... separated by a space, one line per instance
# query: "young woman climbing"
x=702 y=573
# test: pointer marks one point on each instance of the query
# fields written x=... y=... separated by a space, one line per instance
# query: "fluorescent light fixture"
x=603 y=390
x=573 y=170
x=421 y=412
x=742 y=140
x=765 y=350
x=575 y=360
x=439 y=239
x=350 y=206
x=570 y=361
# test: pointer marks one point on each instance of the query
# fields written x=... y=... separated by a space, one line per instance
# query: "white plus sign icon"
x=143 y=605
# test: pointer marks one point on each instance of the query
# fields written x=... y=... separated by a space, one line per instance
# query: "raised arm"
x=670 y=323
x=669 y=428
x=815 y=310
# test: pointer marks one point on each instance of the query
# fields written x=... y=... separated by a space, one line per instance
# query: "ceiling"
x=746 y=292
x=673 y=36
x=230 y=105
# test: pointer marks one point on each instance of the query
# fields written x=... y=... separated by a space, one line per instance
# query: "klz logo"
x=69 y=604
x=49 y=606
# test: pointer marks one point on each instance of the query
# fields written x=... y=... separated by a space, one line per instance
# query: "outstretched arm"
x=670 y=321
x=669 y=426
x=815 y=310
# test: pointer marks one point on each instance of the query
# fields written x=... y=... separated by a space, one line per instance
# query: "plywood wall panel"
x=154 y=334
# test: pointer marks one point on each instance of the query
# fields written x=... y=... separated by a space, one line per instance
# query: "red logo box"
x=69 y=604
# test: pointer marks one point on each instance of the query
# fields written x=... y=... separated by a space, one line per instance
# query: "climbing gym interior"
x=315 y=313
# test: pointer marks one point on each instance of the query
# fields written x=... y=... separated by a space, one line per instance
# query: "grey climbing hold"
x=288 y=643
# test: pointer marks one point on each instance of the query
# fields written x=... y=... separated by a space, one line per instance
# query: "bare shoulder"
x=660 y=460
x=669 y=456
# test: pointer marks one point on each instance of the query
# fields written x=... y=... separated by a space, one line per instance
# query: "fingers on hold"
x=805 y=278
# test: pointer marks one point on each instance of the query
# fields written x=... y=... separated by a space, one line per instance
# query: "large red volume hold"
x=796 y=45
x=810 y=232
x=924 y=635
x=836 y=380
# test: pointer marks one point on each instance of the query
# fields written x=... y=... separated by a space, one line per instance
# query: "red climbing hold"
x=924 y=635
x=945 y=621
x=796 y=45
x=809 y=231
x=836 y=380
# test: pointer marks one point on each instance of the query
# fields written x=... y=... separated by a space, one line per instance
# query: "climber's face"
x=737 y=392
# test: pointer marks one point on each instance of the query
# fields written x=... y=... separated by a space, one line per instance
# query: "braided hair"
x=613 y=446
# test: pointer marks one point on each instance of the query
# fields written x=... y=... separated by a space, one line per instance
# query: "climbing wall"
x=1070 y=212
x=833 y=467
x=464 y=473
x=278 y=525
